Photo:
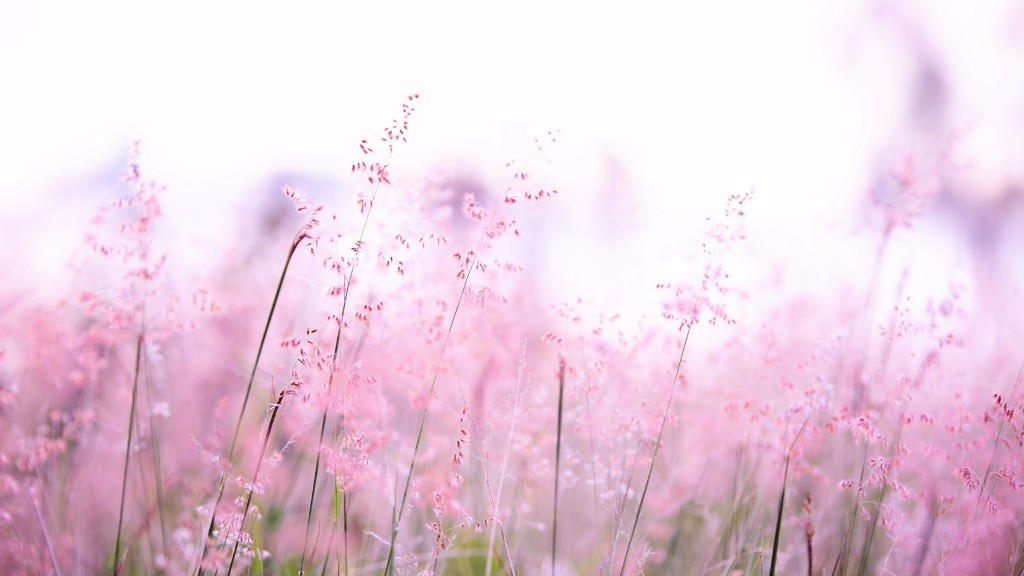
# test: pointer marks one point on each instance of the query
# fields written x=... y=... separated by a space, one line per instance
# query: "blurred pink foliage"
x=901 y=424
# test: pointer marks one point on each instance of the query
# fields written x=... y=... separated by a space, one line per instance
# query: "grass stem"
x=657 y=444
x=158 y=469
x=256 y=474
x=558 y=462
x=42 y=527
x=127 y=455
x=782 y=502
x=333 y=369
x=248 y=392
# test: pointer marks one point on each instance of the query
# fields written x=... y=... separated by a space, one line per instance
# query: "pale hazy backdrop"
x=663 y=113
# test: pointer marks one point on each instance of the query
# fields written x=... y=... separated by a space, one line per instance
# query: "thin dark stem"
x=263 y=340
x=810 y=555
x=248 y=391
x=256 y=474
x=127 y=455
x=330 y=385
x=344 y=527
x=312 y=494
x=657 y=444
x=558 y=461
x=782 y=499
x=778 y=522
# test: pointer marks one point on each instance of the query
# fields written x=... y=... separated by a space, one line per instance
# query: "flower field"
x=381 y=383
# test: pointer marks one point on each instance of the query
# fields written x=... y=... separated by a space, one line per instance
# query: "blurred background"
x=833 y=113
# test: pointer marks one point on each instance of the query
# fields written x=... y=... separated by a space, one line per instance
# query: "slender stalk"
x=558 y=462
x=156 y=460
x=688 y=324
x=248 y=391
x=782 y=501
x=344 y=527
x=882 y=493
x=845 y=554
x=256 y=474
x=127 y=455
x=334 y=357
x=263 y=339
x=497 y=525
x=433 y=384
x=995 y=444
x=144 y=528
x=810 y=554
x=778 y=521
x=42 y=527
x=590 y=425
x=835 y=567
x=657 y=444
x=496 y=502
x=423 y=420
x=870 y=536
x=316 y=474
x=334 y=367
x=619 y=507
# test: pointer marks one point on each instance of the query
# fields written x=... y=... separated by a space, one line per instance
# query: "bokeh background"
x=663 y=113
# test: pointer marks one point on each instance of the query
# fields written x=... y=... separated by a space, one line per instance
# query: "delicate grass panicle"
x=382 y=385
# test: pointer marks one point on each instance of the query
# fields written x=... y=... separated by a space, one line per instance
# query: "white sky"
x=696 y=102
